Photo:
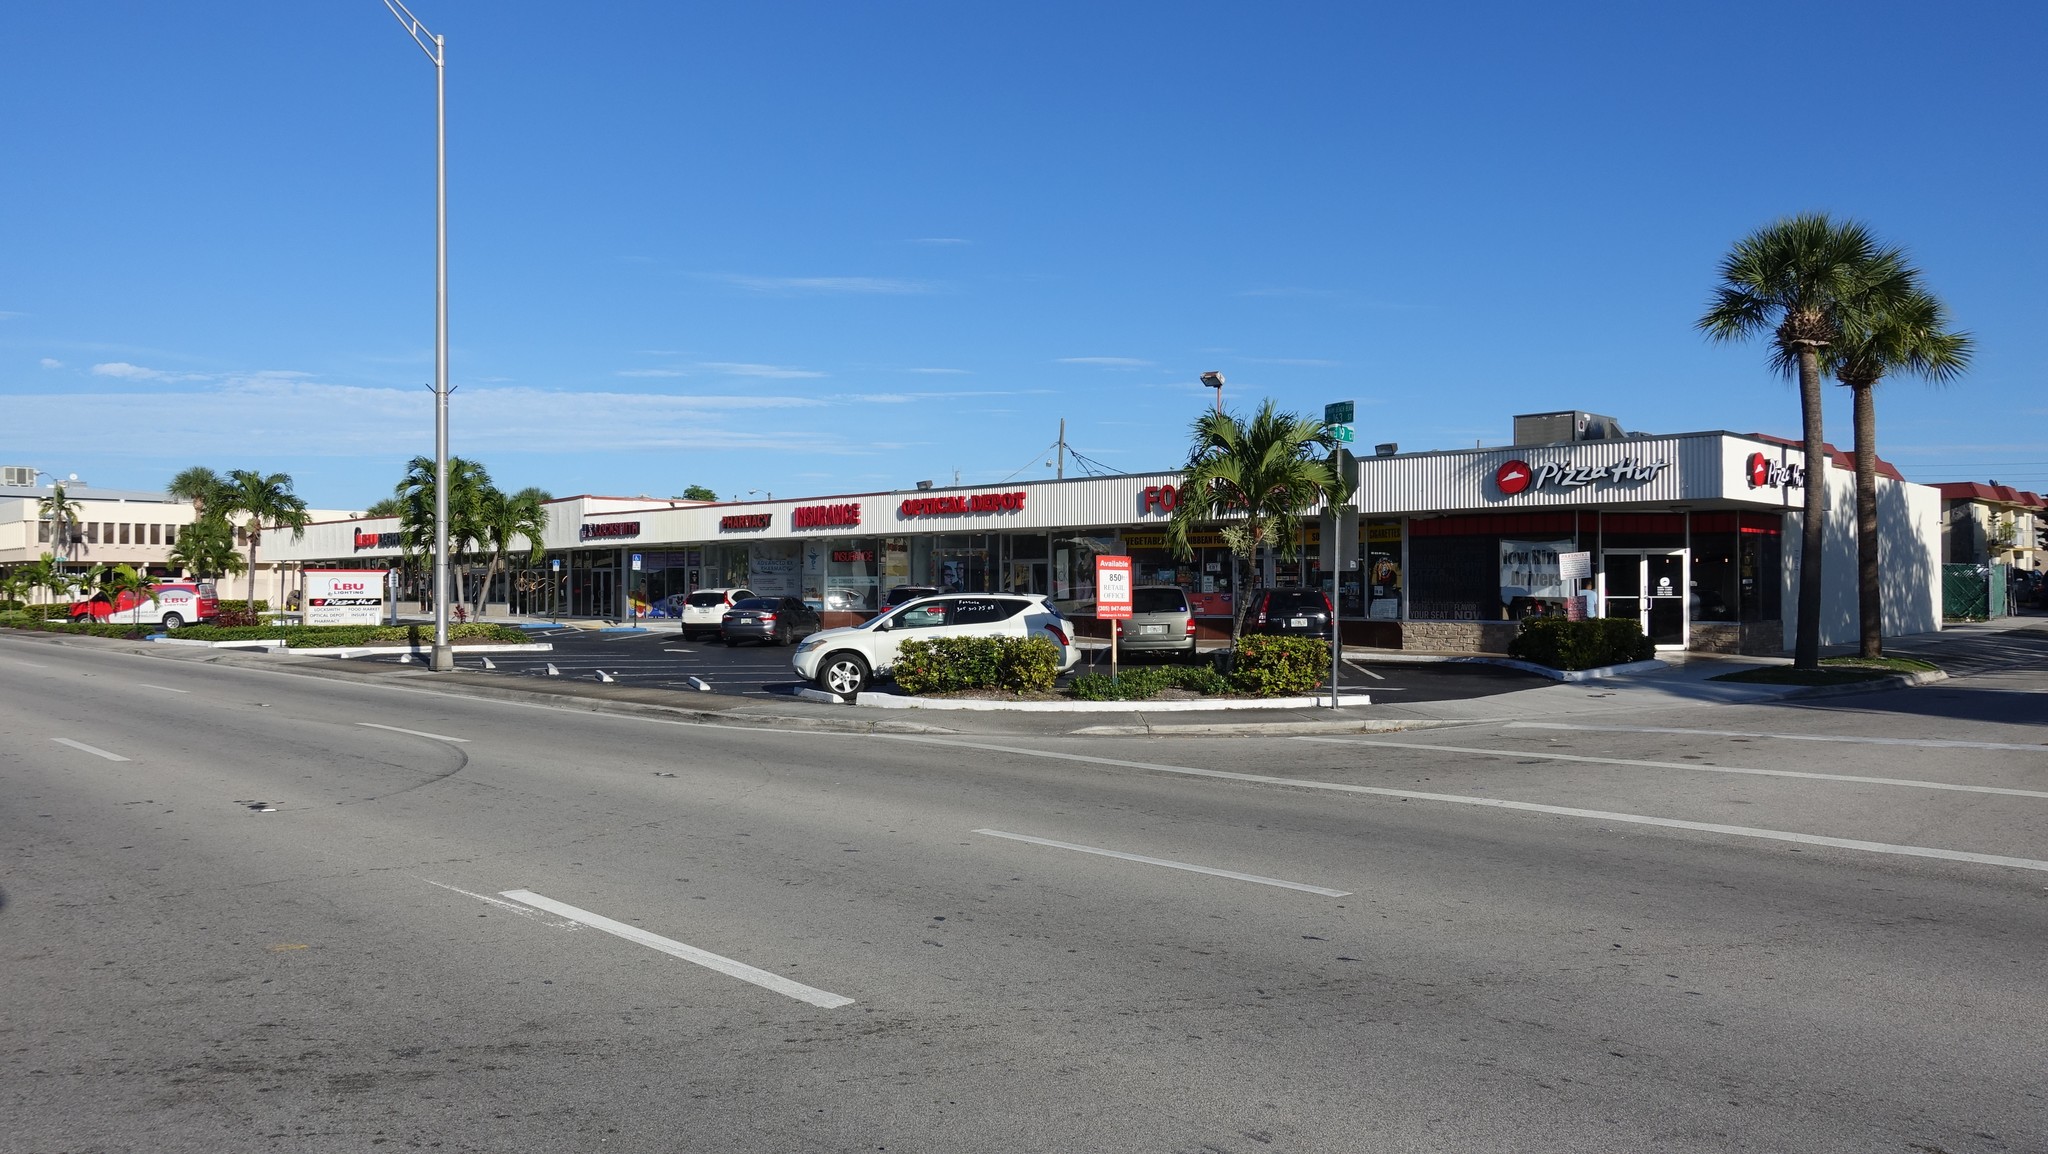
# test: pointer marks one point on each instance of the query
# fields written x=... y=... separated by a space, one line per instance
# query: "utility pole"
x=1062 y=474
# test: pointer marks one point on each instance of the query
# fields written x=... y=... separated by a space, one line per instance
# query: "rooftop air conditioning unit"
x=21 y=476
x=1571 y=425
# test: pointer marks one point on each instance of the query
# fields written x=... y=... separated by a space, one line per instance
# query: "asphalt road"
x=247 y=910
x=665 y=661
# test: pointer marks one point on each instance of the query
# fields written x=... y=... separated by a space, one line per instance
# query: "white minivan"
x=844 y=661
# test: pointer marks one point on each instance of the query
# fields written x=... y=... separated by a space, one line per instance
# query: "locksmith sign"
x=344 y=596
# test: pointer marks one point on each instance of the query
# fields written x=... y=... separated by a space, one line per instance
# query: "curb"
x=1593 y=674
x=1255 y=728
x=979 y=705
x=1874 y=685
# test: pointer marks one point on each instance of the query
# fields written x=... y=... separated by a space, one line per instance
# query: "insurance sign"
x=344 y=596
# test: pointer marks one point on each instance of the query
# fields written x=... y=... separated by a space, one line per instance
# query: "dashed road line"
x=414 y=732
x=710 y=961
x=1925 y=743
x=1857 y=779
x=165 y=688
x=96 y=751
x=1168 y=863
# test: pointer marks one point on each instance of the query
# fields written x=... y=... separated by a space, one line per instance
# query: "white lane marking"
x=1160 y=861
x=94 y=750
x=510 y=907
x=1928 y=743
x=1697 y=768
x=1367 y=670
x=414 y=732
x=30 y=664
x=1497 y=803
x=165 y=688
x=709 y=961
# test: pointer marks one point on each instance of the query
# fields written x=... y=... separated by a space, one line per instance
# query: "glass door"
x=1623 y=578
x=1651 y=587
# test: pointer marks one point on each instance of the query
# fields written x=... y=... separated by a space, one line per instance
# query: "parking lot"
x=664 y=660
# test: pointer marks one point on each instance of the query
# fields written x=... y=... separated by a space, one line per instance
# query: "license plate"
x=1298 y=622
x=1153 y=629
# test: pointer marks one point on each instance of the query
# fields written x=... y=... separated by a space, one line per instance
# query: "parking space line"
x=1856 y=779
x=710 y=961
x=1365 y=669
x=1496 y=803
x=1160 y=861
x=414 y=732
x=165 y=688
x=1925 y=743
x=92 y=749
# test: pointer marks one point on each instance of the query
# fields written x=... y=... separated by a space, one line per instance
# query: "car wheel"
x=172 y=621
x=730 y=642
x=843 y=673
x=782 y=636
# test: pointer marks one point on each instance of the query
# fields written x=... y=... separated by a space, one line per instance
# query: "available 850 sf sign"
x=344 y=596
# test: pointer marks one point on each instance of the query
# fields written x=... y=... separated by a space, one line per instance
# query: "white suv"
x=704 y=610
x=844 y=661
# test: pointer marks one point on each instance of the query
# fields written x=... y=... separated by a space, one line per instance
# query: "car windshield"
x=705 y=598
x=1158 y=601
x=756 y=603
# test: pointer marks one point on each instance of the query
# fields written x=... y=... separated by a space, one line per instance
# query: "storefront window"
x=1073 y=564
x=774 y=570
x=852 y=575
x=1382 y=570
x=895 y=564
x=1716 y=583
x=960 y=563
x=1759 y=553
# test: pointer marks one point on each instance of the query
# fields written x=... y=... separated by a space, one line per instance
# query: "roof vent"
x=22 y=476
x=1570 y=425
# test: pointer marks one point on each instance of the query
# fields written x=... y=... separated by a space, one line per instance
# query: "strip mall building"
x=1695 y=536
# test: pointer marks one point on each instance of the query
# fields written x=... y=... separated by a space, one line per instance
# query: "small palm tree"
x=202 y=488
x=206 y=548
x=1801 y=281
x=504 y=521
x=268 y=500
x=40 y=574
x=125 y=581
x=1910 y=335
x=1258 y=478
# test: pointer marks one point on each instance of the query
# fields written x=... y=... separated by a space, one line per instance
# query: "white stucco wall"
x=1909 y=561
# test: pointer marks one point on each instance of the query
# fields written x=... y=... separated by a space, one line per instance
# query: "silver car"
x=1161 y=622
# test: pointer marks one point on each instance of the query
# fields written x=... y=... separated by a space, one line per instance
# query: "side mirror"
x=886 y=626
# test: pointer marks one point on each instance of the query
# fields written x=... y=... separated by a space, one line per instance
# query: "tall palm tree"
x=202 y=488
x=63 y=514
x=1910 y=335
x=41 y=573
x=506 y=519
x=268 y=500
x=1801 y=280
x=467 y=481
x=1258 y=478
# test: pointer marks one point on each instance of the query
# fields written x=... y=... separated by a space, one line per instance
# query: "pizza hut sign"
x=1764 y=473
x=1518 y=476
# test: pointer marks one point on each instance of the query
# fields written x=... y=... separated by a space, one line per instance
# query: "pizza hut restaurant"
x=1694 y=536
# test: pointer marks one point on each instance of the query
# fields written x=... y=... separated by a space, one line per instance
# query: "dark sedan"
x=1300 y=612
x=769 y=620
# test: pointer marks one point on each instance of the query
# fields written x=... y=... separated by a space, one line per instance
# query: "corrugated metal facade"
x=1634 y=471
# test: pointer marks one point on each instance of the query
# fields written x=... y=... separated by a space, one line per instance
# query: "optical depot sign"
x=1519 y=476
x=344 y=596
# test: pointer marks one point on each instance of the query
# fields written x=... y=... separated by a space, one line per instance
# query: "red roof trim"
x=1846 y=462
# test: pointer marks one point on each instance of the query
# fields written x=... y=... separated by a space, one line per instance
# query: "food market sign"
x=344 y=596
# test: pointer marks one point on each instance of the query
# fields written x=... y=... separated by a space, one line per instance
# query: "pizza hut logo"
x=1513 y=477
x=1765 y=473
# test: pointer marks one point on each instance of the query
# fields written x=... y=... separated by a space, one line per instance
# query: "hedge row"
x=952 y=664
x=1144 y=681
x=1279 y=666
x=1565 y=644
x=296 y=636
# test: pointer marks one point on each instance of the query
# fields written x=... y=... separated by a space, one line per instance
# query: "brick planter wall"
x=1458 y=636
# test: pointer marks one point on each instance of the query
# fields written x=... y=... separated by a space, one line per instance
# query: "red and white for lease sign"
x=1113 y=588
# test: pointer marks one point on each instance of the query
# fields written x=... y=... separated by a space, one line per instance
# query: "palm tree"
x=1258 y=478
x=467 y=481
x=388 y=507
x=63 y=513
x=124 y=580
x=1907 y=336
x=505 y=519
x=268 y=500
x=1802 y=280
x=206 y=548
x=202 y=488
x=40 y=573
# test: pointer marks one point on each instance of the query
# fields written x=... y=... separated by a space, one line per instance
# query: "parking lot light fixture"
x=1215 y=381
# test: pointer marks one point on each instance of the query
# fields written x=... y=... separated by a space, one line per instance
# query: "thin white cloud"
x=769 y=372
x=1106 y=362
x=1294 y=362
x=52 y=363
x=128 y=372
x=897 y=398
x=6 y=316
x=836 y=285
x=651 y=373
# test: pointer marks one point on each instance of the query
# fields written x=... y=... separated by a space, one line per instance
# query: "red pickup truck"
x=177 y=603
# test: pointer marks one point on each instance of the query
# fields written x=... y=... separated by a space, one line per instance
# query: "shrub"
x=241 y=605
x=296 y=636
x=1280 y=666
x=1145 y=681
x=952 y=664
x=1565 y=644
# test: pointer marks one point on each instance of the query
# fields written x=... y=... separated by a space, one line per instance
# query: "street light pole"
x=436 y=48
x=1215 y=381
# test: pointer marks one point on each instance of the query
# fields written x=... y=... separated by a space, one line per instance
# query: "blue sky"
x=815 y=248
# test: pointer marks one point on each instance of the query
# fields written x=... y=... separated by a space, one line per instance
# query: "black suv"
x=1299 y=612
